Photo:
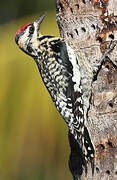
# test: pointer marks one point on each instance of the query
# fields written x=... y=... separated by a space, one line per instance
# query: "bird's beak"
x=39 y=20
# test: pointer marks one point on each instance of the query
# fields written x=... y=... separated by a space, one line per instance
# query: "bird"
x=65 y=76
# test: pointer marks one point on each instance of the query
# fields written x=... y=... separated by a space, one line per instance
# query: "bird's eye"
x=31 y=29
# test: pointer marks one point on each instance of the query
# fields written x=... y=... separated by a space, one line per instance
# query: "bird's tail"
x=77 y=159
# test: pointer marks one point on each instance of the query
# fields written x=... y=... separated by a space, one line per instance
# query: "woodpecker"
x=68 y=79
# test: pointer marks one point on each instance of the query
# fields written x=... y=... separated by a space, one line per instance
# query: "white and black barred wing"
x=61 y=75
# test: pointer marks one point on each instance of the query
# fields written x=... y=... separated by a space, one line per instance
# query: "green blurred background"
x=33 y=136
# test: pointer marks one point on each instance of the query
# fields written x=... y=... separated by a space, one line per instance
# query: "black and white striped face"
x=27 y=37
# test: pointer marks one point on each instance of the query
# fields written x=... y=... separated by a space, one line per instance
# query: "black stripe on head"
x=31 y=29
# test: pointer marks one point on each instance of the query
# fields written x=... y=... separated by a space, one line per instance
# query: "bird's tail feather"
x=77 y=158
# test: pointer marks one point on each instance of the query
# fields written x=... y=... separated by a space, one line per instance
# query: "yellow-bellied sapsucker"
x=68 y=78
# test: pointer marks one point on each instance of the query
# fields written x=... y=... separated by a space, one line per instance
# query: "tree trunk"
x=89 y=26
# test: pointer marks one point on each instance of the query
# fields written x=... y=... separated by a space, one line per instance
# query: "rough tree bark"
x=89 y=26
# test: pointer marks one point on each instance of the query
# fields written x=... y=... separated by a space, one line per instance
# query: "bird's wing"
x=72 y=103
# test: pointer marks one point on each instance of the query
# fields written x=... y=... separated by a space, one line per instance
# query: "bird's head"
x=27 y=37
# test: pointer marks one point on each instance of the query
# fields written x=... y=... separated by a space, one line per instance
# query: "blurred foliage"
x=13 y=9
x=33 y=136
